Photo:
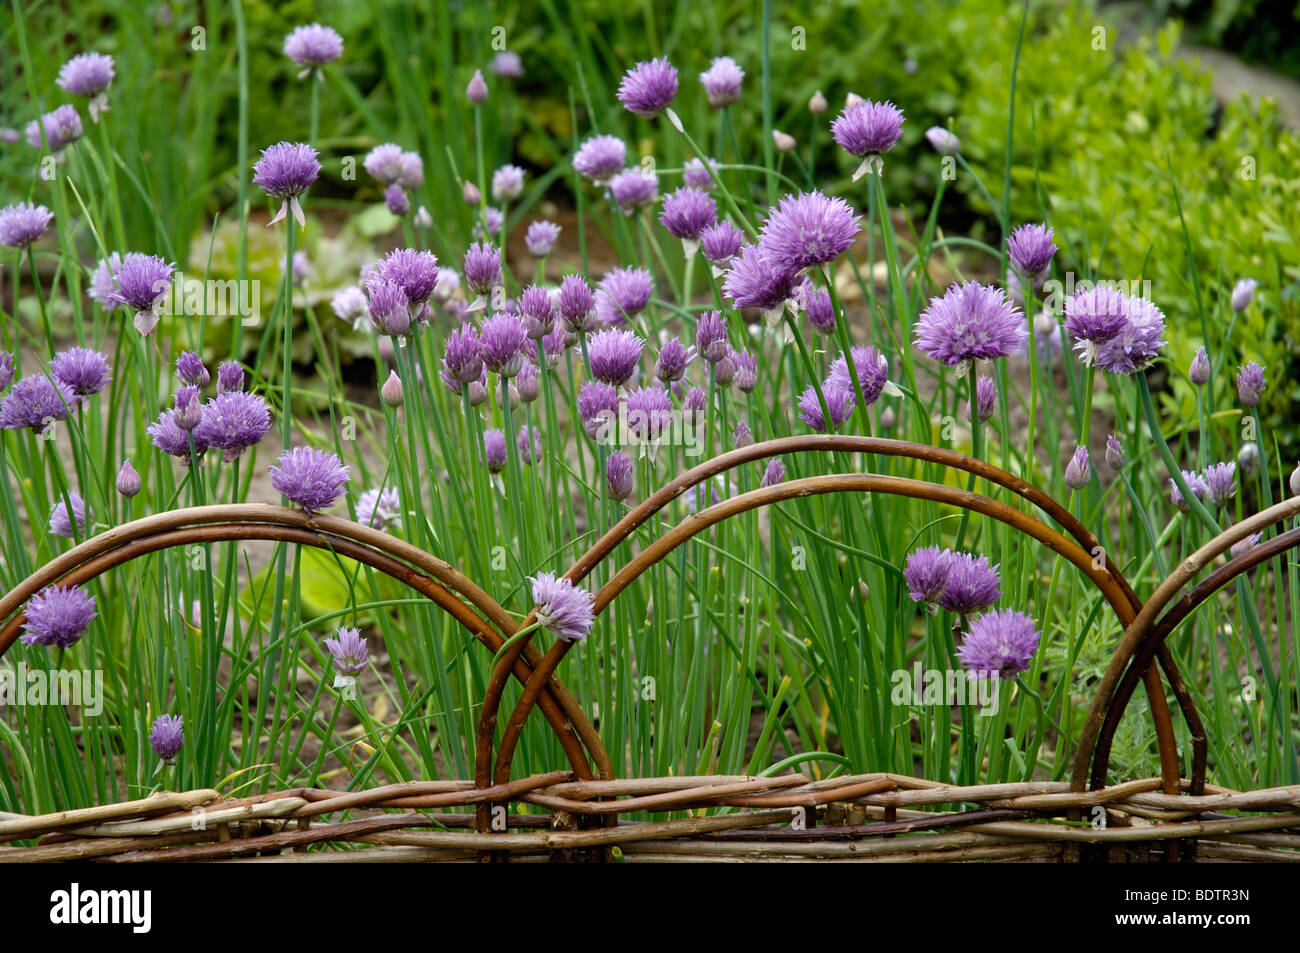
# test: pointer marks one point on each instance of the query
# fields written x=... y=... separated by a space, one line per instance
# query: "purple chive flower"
x=808 y=230
x=167 y=736
x=128 y=480
x=867 y=130
x=58 y=616
x=69 y=526
x=1114 y=452
x=397 y=201
x=986 y=398
x=756 y=281
x=633 y=189
x=614 y=354
x=1242 y=292
x=1250 y=383
x=412 y=176
x=507 y=183
x=188 y=409
x=649 y=413
x=999 y=643
x=1138 y=341
x=648 y=88
x=620 y=475
x=312 y=478
x=1194 y=483
x=840 y=402
x=348 y=652
x=232 y=422
x=970 y=321
x=494 y=449
x=478 y=389
x=943 y=141
x=502 y=340
x=711 y=336
x=62 y=128
x=622 y=294
x=84 y=370
x=462 y=361
x=1220 y=483
x=774 y=474
x=576 y=303
x=230 y=377
x=1031 y=249
x=379 y=508
x=142 y=283
x=672 y=362
x=36 y=402
x=1094 y=314
x=1199 y=372
x=101 y=281
x=722 y=81
x=554 y=344
x=693 y=406
x=477 y=91
x=86 y=74
x=817 y=305
x=168 y=436
x=483 y=268
x=490 y=225
x=415 y=272
x=535 y=306
x=508 y=65
x=384 y=162
x=872 y=368
x=23 y=223
x=600 y=158
x=529 y=442
x=350 y=304
x=1078 y=472
x=746 y=377
x=540 y=238
x=286 y=170
x=313 y=45
x=389 y=307
x=190 y=370
x=598 y=408
x=528 y=382
x=721 y=243
x=698 y=175
x=972 y=585
x=926 y=573
x=6 y=370
x=563 y=609
x=742 y=436
x=687 y=211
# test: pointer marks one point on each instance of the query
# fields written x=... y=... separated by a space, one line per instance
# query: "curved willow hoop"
x=362 y=543
x=870 y=445
x=835 y=483
x=1141 y=639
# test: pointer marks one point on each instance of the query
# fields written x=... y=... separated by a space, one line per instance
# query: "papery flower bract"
x=783 y=141
x=972 y=584
x=232 y=422
x=85 y=370
x=807 y=230
x=687 y=211
x=722 y=81
x=600 y=158
x=648 y=88
x=1002 y=643
x=872 y=368
x=312 y=478
x=23 y=223
x=1031 y=249
x=622 y=294
x=540 y=238
x=167 y=737
x=313 y=45
x=58 y=616
x=620 y=475
x=483 y=268
x=391 y=390
x=379 y=508
x=36 y=402
x=970 y=321
x=614 y=355
x=1250 y=383
x=69 y=526
x=348 y=651
x=62 y=127
x=86 y=74
x=633 y=189
x=563 y=609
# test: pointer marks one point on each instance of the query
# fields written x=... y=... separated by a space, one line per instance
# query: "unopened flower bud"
x=391 y=392
x=1199 y=372
x=1078 y=471
x=128 y=480
x=817 y=104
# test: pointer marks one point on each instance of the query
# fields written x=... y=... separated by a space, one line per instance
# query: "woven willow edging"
x=867 y=816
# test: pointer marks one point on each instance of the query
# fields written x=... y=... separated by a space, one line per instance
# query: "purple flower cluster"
x=648 y=88
x=1114 y=331
x=968 y=322
x=623 y=294
x=23 y=223
x=313 y=45
x=1001 y=642
x=563 y=609
x=58 y=616
x=958 y=582
x=312 y=478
